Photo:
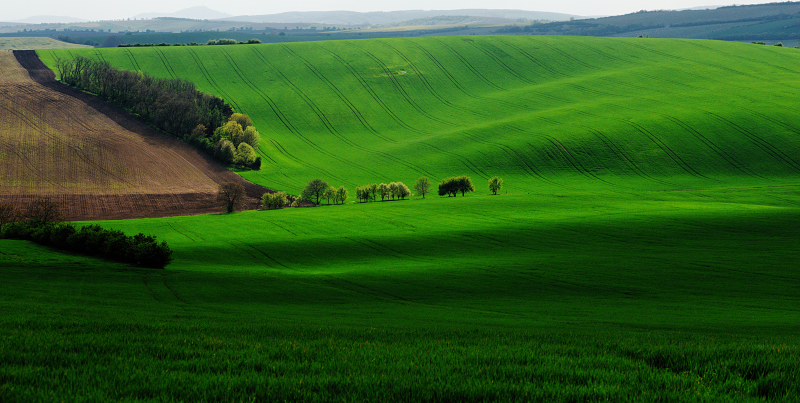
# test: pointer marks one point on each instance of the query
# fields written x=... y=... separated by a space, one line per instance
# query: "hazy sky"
x=115 y=9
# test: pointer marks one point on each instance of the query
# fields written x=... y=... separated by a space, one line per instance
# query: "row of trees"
x=318 y=188
x=232 y=195
x=172 y=105
x=276 y=200
x=41 y=221
x=392 y=190
x=222 y=41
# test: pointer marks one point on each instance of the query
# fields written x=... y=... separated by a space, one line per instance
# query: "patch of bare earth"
x=92 y=157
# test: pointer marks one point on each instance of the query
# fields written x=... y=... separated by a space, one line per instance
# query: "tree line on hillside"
x=42 y=221
x=172 y=105
x=211 y=42
x=232 y=196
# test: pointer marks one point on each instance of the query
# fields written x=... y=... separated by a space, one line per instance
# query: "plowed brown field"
x=91 y=156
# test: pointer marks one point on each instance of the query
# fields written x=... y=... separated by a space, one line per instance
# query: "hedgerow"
x=140 y=249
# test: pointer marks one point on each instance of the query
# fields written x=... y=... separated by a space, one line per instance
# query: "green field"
x=645 y=245
x=619 y=113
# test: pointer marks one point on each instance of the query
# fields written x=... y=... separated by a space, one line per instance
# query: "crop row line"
x=321 y=115
x=469 y=66
x=488 y=53
x=667 y=150
x=336 y=91
x=210 y=78
x=399 y=88
x=623 y=156
x=372 y=93
x=461 y=87
x=710 y=144
x=286 y=122
x=428 y=85
x=530 y=57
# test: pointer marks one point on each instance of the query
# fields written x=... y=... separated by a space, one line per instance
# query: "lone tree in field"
x=44 y=209
x=8 y=214
x=315 y=189
x=232 y=196
x=422 y=186
x=495 y=184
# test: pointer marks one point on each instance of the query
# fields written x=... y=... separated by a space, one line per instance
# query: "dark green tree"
x=315 y=189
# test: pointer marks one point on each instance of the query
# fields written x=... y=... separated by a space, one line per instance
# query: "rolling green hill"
x=540 y=111
x=644 y=247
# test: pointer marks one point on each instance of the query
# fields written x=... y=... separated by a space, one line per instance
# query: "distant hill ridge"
x=391 y=17
x=451 y=20
x=197 y=13
x=740 y=22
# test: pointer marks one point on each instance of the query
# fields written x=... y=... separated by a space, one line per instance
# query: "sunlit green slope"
x=623 y=113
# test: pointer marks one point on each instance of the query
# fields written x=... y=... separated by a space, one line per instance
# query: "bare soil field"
x=93 y=157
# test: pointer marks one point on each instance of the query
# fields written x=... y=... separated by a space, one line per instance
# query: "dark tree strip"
x=172 y=105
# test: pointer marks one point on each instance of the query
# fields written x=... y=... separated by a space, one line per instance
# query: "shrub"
x=245 y=154
x=274 y=200
x=94 y=240
x=60 y=233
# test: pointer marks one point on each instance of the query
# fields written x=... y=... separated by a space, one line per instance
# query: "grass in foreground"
x=549 y=297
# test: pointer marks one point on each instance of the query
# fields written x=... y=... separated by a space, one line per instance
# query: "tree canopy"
x=422 y=186
x=495 y=184
x=451 y=186
x=315 y=189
